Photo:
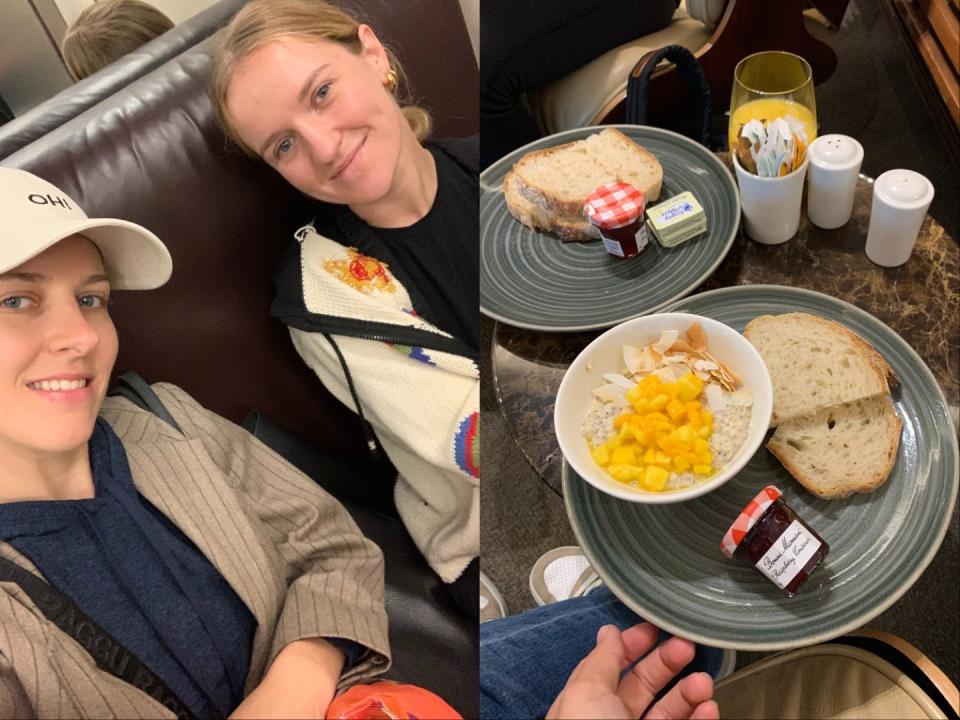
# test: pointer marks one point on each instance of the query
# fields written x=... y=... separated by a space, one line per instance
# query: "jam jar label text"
x=788 y=555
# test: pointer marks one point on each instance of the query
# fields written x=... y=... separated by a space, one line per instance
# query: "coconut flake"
x=667 y=338
x=616 y=379
x=715 y=397
x=611 y=394
x=633 y=358
x=697 y=337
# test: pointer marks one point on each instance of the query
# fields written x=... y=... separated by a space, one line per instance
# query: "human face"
x=321 y=116
x=55 y=331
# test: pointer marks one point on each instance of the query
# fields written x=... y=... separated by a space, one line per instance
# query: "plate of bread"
x=542 y=264
x=862 y=447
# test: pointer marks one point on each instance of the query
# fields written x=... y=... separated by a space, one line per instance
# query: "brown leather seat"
x=152 y=153
x=86 y=93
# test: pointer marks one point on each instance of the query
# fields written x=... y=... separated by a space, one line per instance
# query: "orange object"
x=385 y=700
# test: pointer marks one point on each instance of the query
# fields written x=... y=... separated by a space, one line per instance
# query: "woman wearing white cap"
x=380 y=288
x=151 y=571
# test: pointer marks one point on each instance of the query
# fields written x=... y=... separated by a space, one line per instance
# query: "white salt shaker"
x=901 y=199
x=832 y=179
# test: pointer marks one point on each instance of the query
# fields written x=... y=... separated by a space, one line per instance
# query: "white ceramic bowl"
x=605 y=355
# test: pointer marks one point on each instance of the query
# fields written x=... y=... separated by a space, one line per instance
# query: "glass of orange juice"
x=772 y=84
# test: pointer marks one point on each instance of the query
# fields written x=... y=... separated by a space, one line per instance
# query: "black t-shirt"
x=437 y=258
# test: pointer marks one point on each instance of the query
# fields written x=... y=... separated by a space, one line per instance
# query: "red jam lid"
x=614 y=205
x=747 y=519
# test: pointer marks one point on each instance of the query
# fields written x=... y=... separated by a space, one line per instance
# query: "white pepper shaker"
x=901 y=199
x=832 y=179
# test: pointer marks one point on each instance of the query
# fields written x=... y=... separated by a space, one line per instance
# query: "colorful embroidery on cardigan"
x=362 y=272
x=467 y=445
x=413 y=352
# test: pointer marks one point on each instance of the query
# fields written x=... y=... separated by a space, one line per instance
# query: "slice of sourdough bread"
x=567 y=228
x=840 y=450
x=559 y=179
x=815 y=363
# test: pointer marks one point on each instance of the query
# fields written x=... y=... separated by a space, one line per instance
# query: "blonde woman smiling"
x=379 y=288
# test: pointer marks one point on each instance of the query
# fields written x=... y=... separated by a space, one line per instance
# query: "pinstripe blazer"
x=289 y=550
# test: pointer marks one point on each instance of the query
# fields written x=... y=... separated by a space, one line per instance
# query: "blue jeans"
x=525 y=659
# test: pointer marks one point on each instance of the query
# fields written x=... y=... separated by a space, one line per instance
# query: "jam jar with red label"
x=769 y=535
x=617 y=211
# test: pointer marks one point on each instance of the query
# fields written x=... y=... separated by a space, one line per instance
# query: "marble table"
x=920 y=300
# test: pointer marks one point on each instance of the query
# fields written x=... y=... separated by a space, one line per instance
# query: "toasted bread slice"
x=815 y=363
x=840 y=450
x=568 y=229
x=559 y=179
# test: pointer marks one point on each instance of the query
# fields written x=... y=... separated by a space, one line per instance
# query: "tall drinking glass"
x=772 y=84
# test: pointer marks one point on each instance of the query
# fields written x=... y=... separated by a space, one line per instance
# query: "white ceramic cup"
x=771 y=206
x=901 y=199
x=832 y=179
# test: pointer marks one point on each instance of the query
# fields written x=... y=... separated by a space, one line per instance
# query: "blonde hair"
x=261 y=21
x=108 y=30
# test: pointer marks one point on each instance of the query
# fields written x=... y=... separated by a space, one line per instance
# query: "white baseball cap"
x=35 y=214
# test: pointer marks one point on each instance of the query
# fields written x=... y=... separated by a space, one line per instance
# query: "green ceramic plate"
x=664 y=561
x=532 y=280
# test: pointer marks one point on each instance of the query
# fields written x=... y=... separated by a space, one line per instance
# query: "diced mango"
x=659 y=402
x=625 y=473
x=655 y=478
x=702 y=470
x=651 y=381
x=684 y=434
x=686 y=389
x=680 y=463
x=625 y=455
x=600 y=455
x=676 y=411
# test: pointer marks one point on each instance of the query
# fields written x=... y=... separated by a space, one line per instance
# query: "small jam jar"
x=616 y=210
x=770 y=536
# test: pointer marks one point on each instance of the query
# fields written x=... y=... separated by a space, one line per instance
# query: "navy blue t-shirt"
x=141 y=579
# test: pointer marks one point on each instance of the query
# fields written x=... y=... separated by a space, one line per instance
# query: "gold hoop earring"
x=391 y=80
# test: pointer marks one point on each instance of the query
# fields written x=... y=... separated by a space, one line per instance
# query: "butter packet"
x=677 y=220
